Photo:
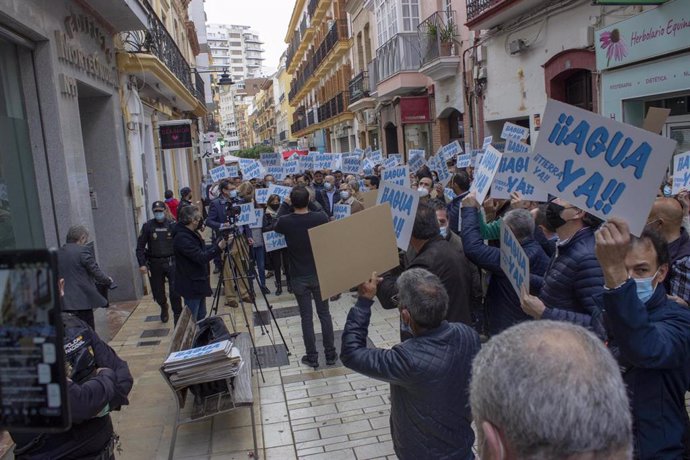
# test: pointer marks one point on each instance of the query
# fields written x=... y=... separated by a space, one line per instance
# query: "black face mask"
x=554 y=221
x=274 y=206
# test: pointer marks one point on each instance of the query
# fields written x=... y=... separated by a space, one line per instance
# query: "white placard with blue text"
x=444 y=173
x=602 y=166
x=246 y=216
x=306 y=163
x=451 y=150
x=681 y=172
x=271 y=159
x=485 y=172
x=219 y=173
x=341 y=211
x=233 y=170
x=376 y=156
x=416 y=160
x=400 y=175
x=390 y=162
x=275 y=171
x=464 y=161
x=351 y=164
x=290 y=167
x=261 y=195
x=487 y=142
x=510 y=176
x=251 y=170
x=403 y=202
x=274 y=241
x=512 y=131
x=514 y=261
x=280 y=190
x=258 y=218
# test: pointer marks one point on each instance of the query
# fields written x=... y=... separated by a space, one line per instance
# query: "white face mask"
x=422 y=191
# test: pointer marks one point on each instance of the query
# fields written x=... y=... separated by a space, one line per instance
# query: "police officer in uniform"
x=155 y=256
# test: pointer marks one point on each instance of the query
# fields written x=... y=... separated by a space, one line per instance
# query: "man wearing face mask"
x=649 y=335
x=227 y=192
x=156 y=258
x=574 y=276
x=328 y=196
x=426 y=184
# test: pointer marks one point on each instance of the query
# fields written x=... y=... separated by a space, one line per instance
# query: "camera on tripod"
x=232 y=212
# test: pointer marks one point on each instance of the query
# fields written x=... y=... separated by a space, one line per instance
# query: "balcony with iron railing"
x=359 y=87
x=314 y=66
x=335 y=106
x=157 y=42
x=486 y=14
x=439 y=44
x=399 y=54
x=282 y=136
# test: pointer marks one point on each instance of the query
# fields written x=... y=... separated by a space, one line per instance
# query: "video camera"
x=232 y=212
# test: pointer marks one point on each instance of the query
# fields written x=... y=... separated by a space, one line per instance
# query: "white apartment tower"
x=235 y=48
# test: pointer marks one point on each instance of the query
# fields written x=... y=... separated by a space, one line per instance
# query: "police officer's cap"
x=158 y=206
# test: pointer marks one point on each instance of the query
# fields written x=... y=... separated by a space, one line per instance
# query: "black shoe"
x=289 y=289
x=265 y=290
x=164 y=314
x=332 y=359
x=279 y=292
x=310 y=362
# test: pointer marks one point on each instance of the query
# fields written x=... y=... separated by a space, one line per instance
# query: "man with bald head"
x=329 y=195
x=666 y=218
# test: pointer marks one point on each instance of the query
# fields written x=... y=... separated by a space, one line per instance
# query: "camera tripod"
x=243 y=274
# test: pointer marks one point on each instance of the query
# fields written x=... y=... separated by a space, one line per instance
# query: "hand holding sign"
x=367 y=290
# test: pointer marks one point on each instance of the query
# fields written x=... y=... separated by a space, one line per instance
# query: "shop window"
x=678 y=105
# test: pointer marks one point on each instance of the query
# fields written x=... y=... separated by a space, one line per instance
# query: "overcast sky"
x=269 y=18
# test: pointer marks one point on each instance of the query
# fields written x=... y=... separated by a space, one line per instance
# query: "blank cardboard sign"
x=370 y=198
x=347 y=251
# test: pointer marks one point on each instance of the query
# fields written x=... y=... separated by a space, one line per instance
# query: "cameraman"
x=222 y=215
x=98 y=382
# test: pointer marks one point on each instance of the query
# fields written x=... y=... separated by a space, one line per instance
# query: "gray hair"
x=521 y=223
x=354 y=185
x=76 y=233
x=553 y=390
x=424 y=296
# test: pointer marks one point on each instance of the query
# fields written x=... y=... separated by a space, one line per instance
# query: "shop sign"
x=659 y=31
x=415 y=109
x=177 y=136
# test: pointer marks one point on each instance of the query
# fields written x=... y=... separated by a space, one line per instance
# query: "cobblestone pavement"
x=328 y=413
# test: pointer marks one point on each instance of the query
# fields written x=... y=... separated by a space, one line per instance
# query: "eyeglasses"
x=396 y=301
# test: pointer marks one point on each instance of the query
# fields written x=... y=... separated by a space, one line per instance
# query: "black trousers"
x=162 y=269
x=85 y=315
x=277 y=260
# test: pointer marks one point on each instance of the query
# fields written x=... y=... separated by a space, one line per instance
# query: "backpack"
x=211 y=330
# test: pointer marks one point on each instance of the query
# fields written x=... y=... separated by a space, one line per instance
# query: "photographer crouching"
x=98 y=382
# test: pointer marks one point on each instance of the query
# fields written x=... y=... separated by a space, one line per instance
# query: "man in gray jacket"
x=77 y=265
x=429 y=373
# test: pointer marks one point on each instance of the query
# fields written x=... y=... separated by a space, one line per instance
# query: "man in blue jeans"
x=305 y=283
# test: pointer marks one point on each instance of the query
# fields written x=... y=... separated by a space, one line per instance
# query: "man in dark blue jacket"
x=460 y=183
x=191 y=262
x=502 y=302
x=649 y=334
x=429 y=373
x=574 y=276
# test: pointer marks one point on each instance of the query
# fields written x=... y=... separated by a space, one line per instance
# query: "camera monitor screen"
x=32 y=372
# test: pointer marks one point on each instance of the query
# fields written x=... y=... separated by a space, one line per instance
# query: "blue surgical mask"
x=159 y=216
x=345 y=195
x=444 y=231
x=667 y=190
x=645 y=289
x=233 y=194
x=327 y=185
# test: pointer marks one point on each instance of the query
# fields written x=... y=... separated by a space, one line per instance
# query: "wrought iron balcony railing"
x=437 y=36
x=199 y=88
x=399 y=54
x=283 y=135
x=476 y=8
x=312 y=7
x=335 y=106
x=359 y=87
x=157 y=41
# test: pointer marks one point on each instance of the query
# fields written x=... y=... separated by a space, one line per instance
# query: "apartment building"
x=283 y=110
x=237 y=49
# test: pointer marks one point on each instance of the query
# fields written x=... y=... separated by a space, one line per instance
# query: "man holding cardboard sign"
x=305 y=282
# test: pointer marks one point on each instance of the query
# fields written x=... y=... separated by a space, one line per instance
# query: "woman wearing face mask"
x=277 y=259
x=347 y=197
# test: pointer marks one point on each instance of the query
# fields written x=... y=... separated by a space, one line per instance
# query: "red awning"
x=288 y=153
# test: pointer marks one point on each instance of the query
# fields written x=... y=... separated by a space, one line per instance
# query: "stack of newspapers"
x=203 y=364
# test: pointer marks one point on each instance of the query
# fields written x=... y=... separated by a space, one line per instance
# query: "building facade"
x=318 y=60
x=237 y=49
x=284 y=111
x=64 y=157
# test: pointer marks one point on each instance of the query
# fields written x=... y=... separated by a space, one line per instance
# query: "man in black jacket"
x=156 y=258
x=435 y=254
x=191 y=262
x=328 y=196
x=429 y=373
x=77 y=265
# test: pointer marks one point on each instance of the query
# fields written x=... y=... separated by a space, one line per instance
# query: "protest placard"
x=510 y=176
x=485 y=172
x=487 y=142
x=219 y=173
x=448 y=194
x=359 y=152
x=442 y=170
x=467 y=147
x=258 y=218
x=271 y=159
x=274 y=241
x=341 y=211
x=368 y=167
x=681 y=173
x=251 y=170
x=261 y=195
x=433 y=163
x=413 y=152
x=350 y=164
x=369 y=198
x=416 y=160
x=403 y=202
x=290 y=167
x=512 y=131
x=280 y=190
x=598 y=164
x=246 y=216
x=275 y=171
x=390 y=162
x=398 y=156
x=233 y=170
x=323 y=161
x=376 y=157
x=365 y=251
x=464 y=161
x=306 y=163
x=245 y=162
x=514 y=261
x=399 y=175
x=451 y=150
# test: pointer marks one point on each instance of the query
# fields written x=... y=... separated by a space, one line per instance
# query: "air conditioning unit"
x=517 y=46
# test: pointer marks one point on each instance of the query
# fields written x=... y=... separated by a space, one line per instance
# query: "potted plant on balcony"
x=447 y=38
